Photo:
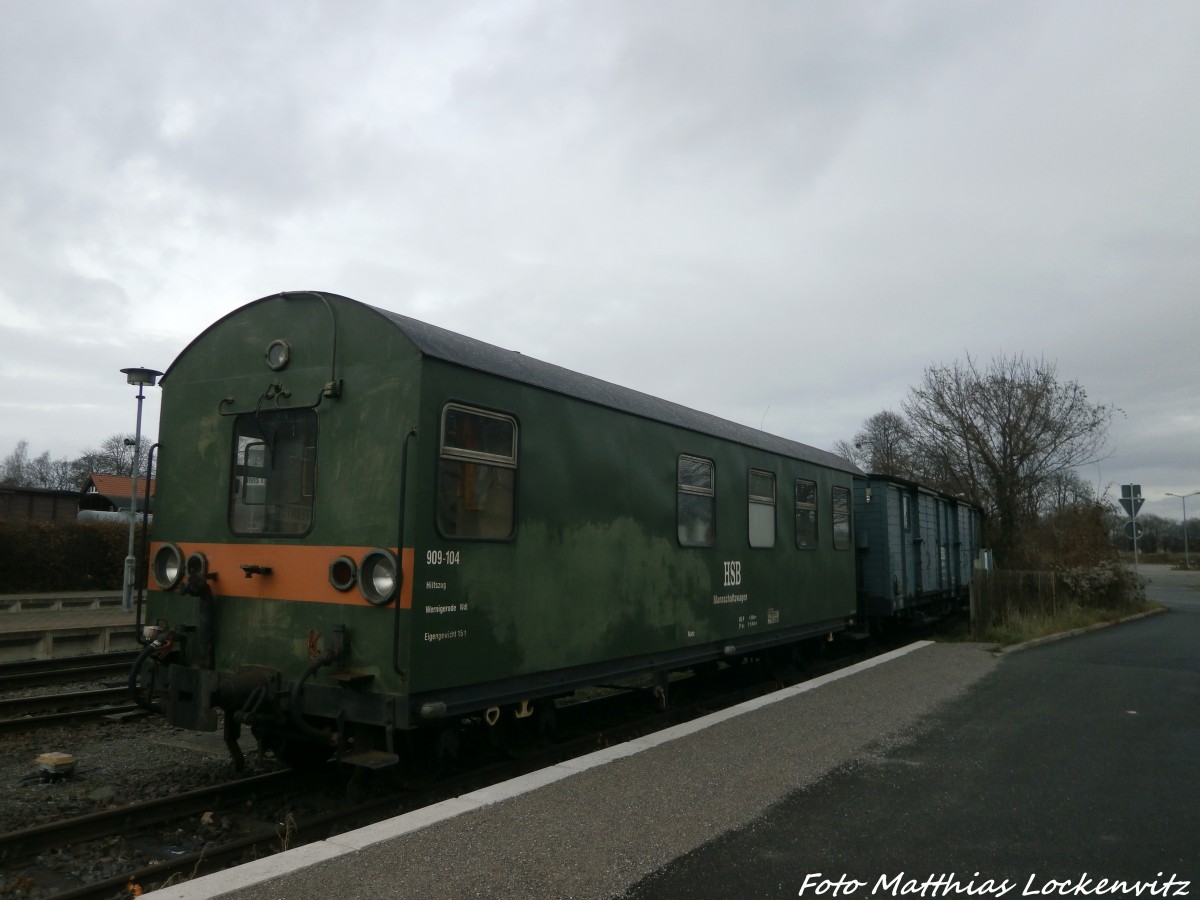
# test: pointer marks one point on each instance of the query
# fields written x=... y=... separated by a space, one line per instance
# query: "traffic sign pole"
x=1131 y=499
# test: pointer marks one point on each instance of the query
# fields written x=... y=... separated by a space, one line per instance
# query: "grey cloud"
x=786 y=206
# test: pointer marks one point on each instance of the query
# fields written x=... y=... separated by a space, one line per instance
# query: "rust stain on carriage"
x=299 y=573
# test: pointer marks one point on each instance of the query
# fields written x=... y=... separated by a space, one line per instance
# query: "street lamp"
x=1183 y=499
x=140 y=377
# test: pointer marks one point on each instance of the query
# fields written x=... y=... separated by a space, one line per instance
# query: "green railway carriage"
x=368 y=524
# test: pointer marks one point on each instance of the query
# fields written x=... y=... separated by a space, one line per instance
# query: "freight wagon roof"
x=474 y=354
x=909 y=483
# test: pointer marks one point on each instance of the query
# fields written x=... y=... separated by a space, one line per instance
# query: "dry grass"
x=1021 y=627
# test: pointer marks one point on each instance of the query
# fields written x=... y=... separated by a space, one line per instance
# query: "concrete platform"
x=1070 y=771
x=41 y=626
x=69 y=602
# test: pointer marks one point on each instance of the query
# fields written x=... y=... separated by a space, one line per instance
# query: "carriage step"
x=371 y=759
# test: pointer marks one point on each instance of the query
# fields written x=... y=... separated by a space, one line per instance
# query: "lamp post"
x=1183 y=499
x=140 y=377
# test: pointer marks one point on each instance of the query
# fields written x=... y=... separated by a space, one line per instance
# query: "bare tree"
x=1065 y=489
x=114 y=457
x=53 y=473
x=1002 y=434
x=885 y=442
x=14 y=471
x=846 y=450
x=19 y=470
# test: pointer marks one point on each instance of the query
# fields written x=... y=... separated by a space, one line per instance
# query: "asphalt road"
x=1073 y=761
x=1173 y=588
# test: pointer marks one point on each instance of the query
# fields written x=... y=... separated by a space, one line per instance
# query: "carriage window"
x=696 y=501
x=274 y=472
x=806 y=514
x=477 y=473
x=841 y=518
x=761 y=494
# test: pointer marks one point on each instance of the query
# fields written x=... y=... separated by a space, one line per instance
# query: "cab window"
x=274 y=472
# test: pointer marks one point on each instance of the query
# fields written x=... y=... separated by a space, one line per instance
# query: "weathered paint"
x=908 y=563
x=594 y=570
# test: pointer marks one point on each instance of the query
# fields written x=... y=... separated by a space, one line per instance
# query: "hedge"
x=45 y=557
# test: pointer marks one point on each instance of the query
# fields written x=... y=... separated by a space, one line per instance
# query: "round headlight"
x=278 y=354
x=168 y=566
x=343 y=573
x=378 y=577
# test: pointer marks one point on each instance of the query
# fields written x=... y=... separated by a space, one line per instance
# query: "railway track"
x=29 y=842
x=65 y=670
x=19 y=714
x=144 y=824
x=47 y=709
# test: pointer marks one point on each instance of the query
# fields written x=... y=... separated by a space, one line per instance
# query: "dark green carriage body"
x=595 y=572
x=577 y=575
x=222 y=379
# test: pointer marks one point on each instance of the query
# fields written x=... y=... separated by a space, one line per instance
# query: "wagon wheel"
x=545 y=721
x=297 y=753
x=293 y=752
x=514 y=734
x=446 y=749
x=429 y=753
x=359 y=787
x=783 y=663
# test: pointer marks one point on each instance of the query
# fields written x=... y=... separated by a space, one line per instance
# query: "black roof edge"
x=908 y=482
x=458 y=349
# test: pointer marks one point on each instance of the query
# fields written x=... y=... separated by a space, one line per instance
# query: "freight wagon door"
x=943 y=515
x=900 y=536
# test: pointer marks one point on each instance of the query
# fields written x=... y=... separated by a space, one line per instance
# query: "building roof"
x=116 y=488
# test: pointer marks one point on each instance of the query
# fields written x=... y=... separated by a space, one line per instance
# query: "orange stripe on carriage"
x=298 y=572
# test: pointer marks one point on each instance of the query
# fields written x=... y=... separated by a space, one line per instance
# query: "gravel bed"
x=117 y=763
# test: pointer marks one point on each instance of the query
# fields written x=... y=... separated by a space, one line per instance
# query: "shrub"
x=1106 y=585
x=45 y=557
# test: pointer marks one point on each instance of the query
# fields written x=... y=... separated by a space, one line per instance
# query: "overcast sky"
x=777 y=212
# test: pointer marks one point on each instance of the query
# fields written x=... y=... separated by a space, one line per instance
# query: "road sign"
x=1132 y=505
x=1131 y=499
x=1134 y=530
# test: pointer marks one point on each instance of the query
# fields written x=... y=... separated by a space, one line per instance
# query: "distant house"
x=24 y=504
x=109 y=493
x=102 y=494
